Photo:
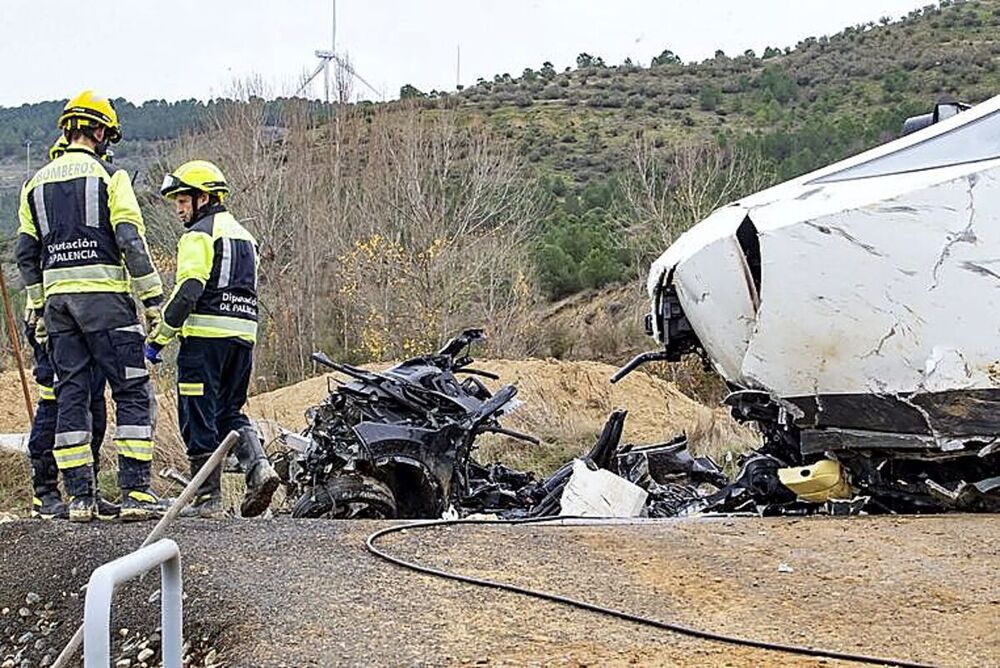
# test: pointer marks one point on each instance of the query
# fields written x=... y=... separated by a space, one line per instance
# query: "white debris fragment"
x=785 y=568
x=600 y=493
x=295 y=441
x=14 y=443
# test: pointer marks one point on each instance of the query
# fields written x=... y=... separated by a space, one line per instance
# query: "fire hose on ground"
x=371 y=543
x=373 y=539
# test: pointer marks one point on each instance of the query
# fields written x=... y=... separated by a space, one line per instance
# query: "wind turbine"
x=325 y=57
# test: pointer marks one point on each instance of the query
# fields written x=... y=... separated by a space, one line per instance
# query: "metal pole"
x=326 y=80
x=172 y=613
x=333 y=51
x=62 y=661
x=15 y=343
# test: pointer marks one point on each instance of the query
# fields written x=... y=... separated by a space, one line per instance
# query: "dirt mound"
x=565 y=405
x=603 y=324
x=561 y=399
x=570 y=395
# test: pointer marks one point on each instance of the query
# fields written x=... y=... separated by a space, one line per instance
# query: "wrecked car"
x=854 y=313
x=398 y=443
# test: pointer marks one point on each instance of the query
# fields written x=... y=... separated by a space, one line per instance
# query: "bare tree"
x=670 y=189
x=380 y=233
x=707 y=176
x=343 y=79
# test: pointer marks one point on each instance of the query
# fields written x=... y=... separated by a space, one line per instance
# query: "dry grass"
x=563 y=437
x=15 y=489
x=15 y=470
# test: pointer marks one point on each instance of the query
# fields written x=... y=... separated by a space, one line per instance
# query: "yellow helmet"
x=59 y=147
x=87 y=110
x=195 y=175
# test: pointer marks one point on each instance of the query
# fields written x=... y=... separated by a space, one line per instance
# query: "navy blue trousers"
x=118 y=354
x=44 y=474
x=212 y=380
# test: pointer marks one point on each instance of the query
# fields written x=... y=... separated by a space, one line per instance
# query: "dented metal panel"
x=884 y=285
x=881 y=299
x=699 y=281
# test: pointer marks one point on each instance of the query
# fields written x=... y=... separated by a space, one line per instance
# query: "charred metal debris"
x=401 y=444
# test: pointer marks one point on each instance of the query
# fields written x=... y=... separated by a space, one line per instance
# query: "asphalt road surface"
x=288 y=592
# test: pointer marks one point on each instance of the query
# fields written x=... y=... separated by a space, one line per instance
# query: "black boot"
x=79 y=483
x=106 y=510
x=261 y=479
x=48 y=506
x=208 y=503
x=46 y=502
x=139 y=505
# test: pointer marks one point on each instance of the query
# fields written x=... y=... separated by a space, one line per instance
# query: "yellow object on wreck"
x=818 y=482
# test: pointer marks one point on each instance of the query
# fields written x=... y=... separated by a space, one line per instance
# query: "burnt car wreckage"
x=400 y=443
x=853 y=312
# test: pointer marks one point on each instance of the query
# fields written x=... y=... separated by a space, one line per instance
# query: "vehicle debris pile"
x=400 y=444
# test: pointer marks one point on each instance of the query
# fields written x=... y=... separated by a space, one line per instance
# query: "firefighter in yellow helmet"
x=213 y=309
x=59 y=147
x=81 y=249
x=46 y=502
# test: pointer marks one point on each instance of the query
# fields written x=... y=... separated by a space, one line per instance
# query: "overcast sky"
x=177 y=49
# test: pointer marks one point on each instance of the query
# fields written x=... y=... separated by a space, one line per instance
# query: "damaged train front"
x=853 y=314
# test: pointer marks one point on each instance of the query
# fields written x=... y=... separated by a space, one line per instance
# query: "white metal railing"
x=101 y=588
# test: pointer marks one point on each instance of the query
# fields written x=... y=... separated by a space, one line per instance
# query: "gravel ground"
x=306 y=593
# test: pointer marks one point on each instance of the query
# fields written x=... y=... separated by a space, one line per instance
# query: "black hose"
x=638 y=619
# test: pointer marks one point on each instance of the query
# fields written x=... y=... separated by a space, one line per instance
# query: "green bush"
x=579 y=248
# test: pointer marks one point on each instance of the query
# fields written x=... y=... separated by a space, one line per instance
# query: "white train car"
x=856 y=309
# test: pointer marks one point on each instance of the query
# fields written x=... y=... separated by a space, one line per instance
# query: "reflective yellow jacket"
x=81 y=231
x=215 y=295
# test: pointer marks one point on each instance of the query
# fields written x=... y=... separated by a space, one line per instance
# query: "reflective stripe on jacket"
x=217 y=258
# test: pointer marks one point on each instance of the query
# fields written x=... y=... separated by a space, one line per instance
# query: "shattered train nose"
x=866 y=293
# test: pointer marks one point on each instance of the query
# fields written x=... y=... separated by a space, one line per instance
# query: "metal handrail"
x=101 y=588
x=62 y=661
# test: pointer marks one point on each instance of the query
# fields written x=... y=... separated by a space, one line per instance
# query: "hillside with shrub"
x=591 y=132
x=801 y=106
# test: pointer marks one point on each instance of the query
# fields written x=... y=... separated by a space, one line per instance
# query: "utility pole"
x=27 y=158
x=458 y=67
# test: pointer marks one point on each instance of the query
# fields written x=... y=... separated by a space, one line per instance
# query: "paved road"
x=305 y=593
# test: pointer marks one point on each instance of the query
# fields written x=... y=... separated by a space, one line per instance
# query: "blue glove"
x=152 y=352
